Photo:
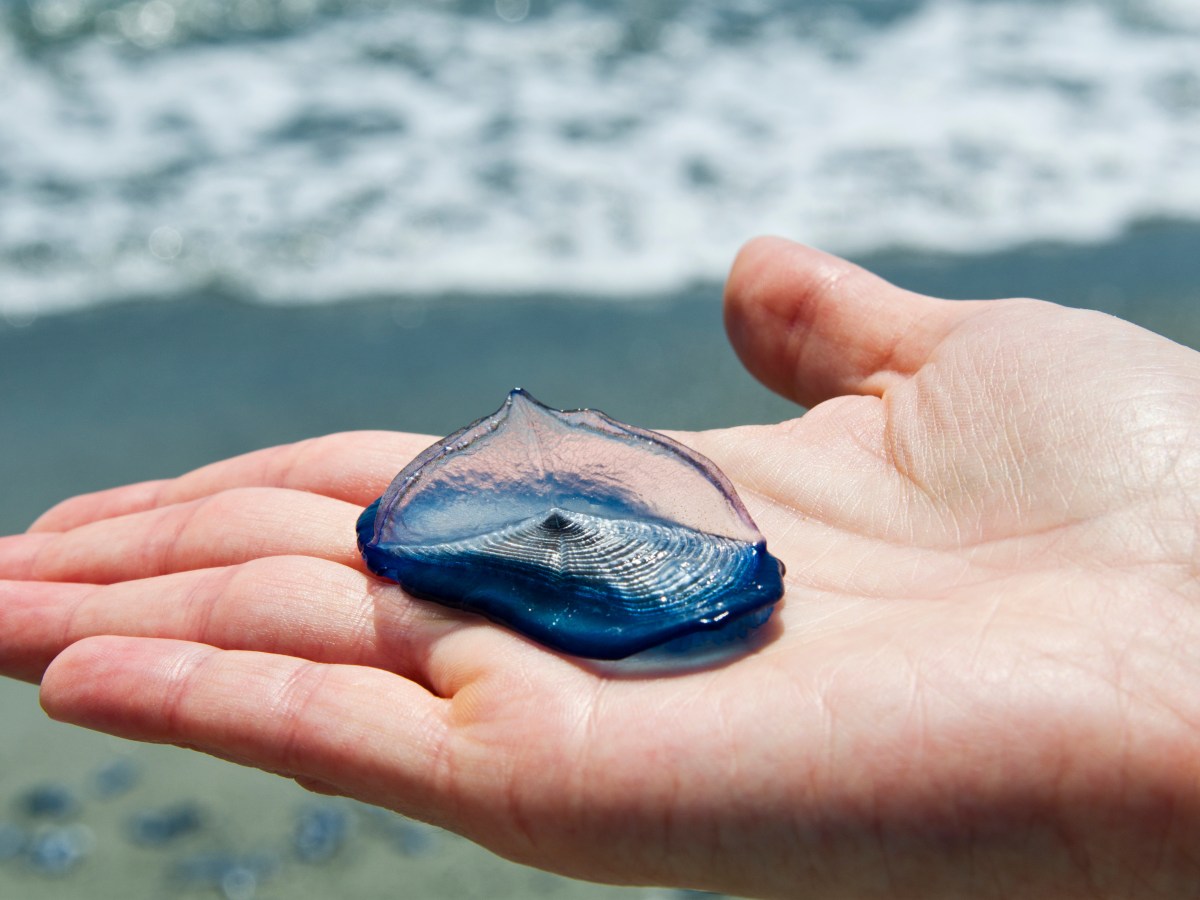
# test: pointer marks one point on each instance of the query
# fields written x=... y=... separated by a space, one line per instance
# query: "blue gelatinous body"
x=592 y=537
x=320 y=833
x=58 y=850
x=163 y=826
x=49 y=801
x=116 y=778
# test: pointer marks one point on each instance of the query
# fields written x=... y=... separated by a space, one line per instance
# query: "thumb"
x=812 y=326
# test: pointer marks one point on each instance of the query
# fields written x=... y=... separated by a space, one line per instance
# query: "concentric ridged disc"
x=573 y=529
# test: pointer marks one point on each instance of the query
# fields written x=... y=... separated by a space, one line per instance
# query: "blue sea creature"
x=165 y=825
x=58 y=850
x=592 y=537
x=320 y=833
x=49 y=801
x=117 y=777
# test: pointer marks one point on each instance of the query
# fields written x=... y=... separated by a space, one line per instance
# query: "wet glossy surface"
x=590 y=536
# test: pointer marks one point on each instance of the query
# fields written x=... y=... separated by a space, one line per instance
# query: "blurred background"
x=225 y=224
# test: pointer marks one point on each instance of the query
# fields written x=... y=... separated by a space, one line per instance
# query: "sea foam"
x=422 y=149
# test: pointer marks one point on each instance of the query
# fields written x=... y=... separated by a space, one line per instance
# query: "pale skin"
x=984 y=680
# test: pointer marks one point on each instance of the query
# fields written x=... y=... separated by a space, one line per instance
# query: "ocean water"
x=316 y=151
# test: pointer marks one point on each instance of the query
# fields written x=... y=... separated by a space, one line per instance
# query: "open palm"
x=981 y=681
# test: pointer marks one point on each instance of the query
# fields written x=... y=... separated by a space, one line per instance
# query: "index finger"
x=355 y=466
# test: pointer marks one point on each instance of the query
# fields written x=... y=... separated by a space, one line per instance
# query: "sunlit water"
x=319 y=150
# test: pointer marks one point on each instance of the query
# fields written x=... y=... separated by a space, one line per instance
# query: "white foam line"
x=964 y=128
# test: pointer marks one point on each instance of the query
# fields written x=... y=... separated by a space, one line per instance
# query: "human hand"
x=980 y=683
